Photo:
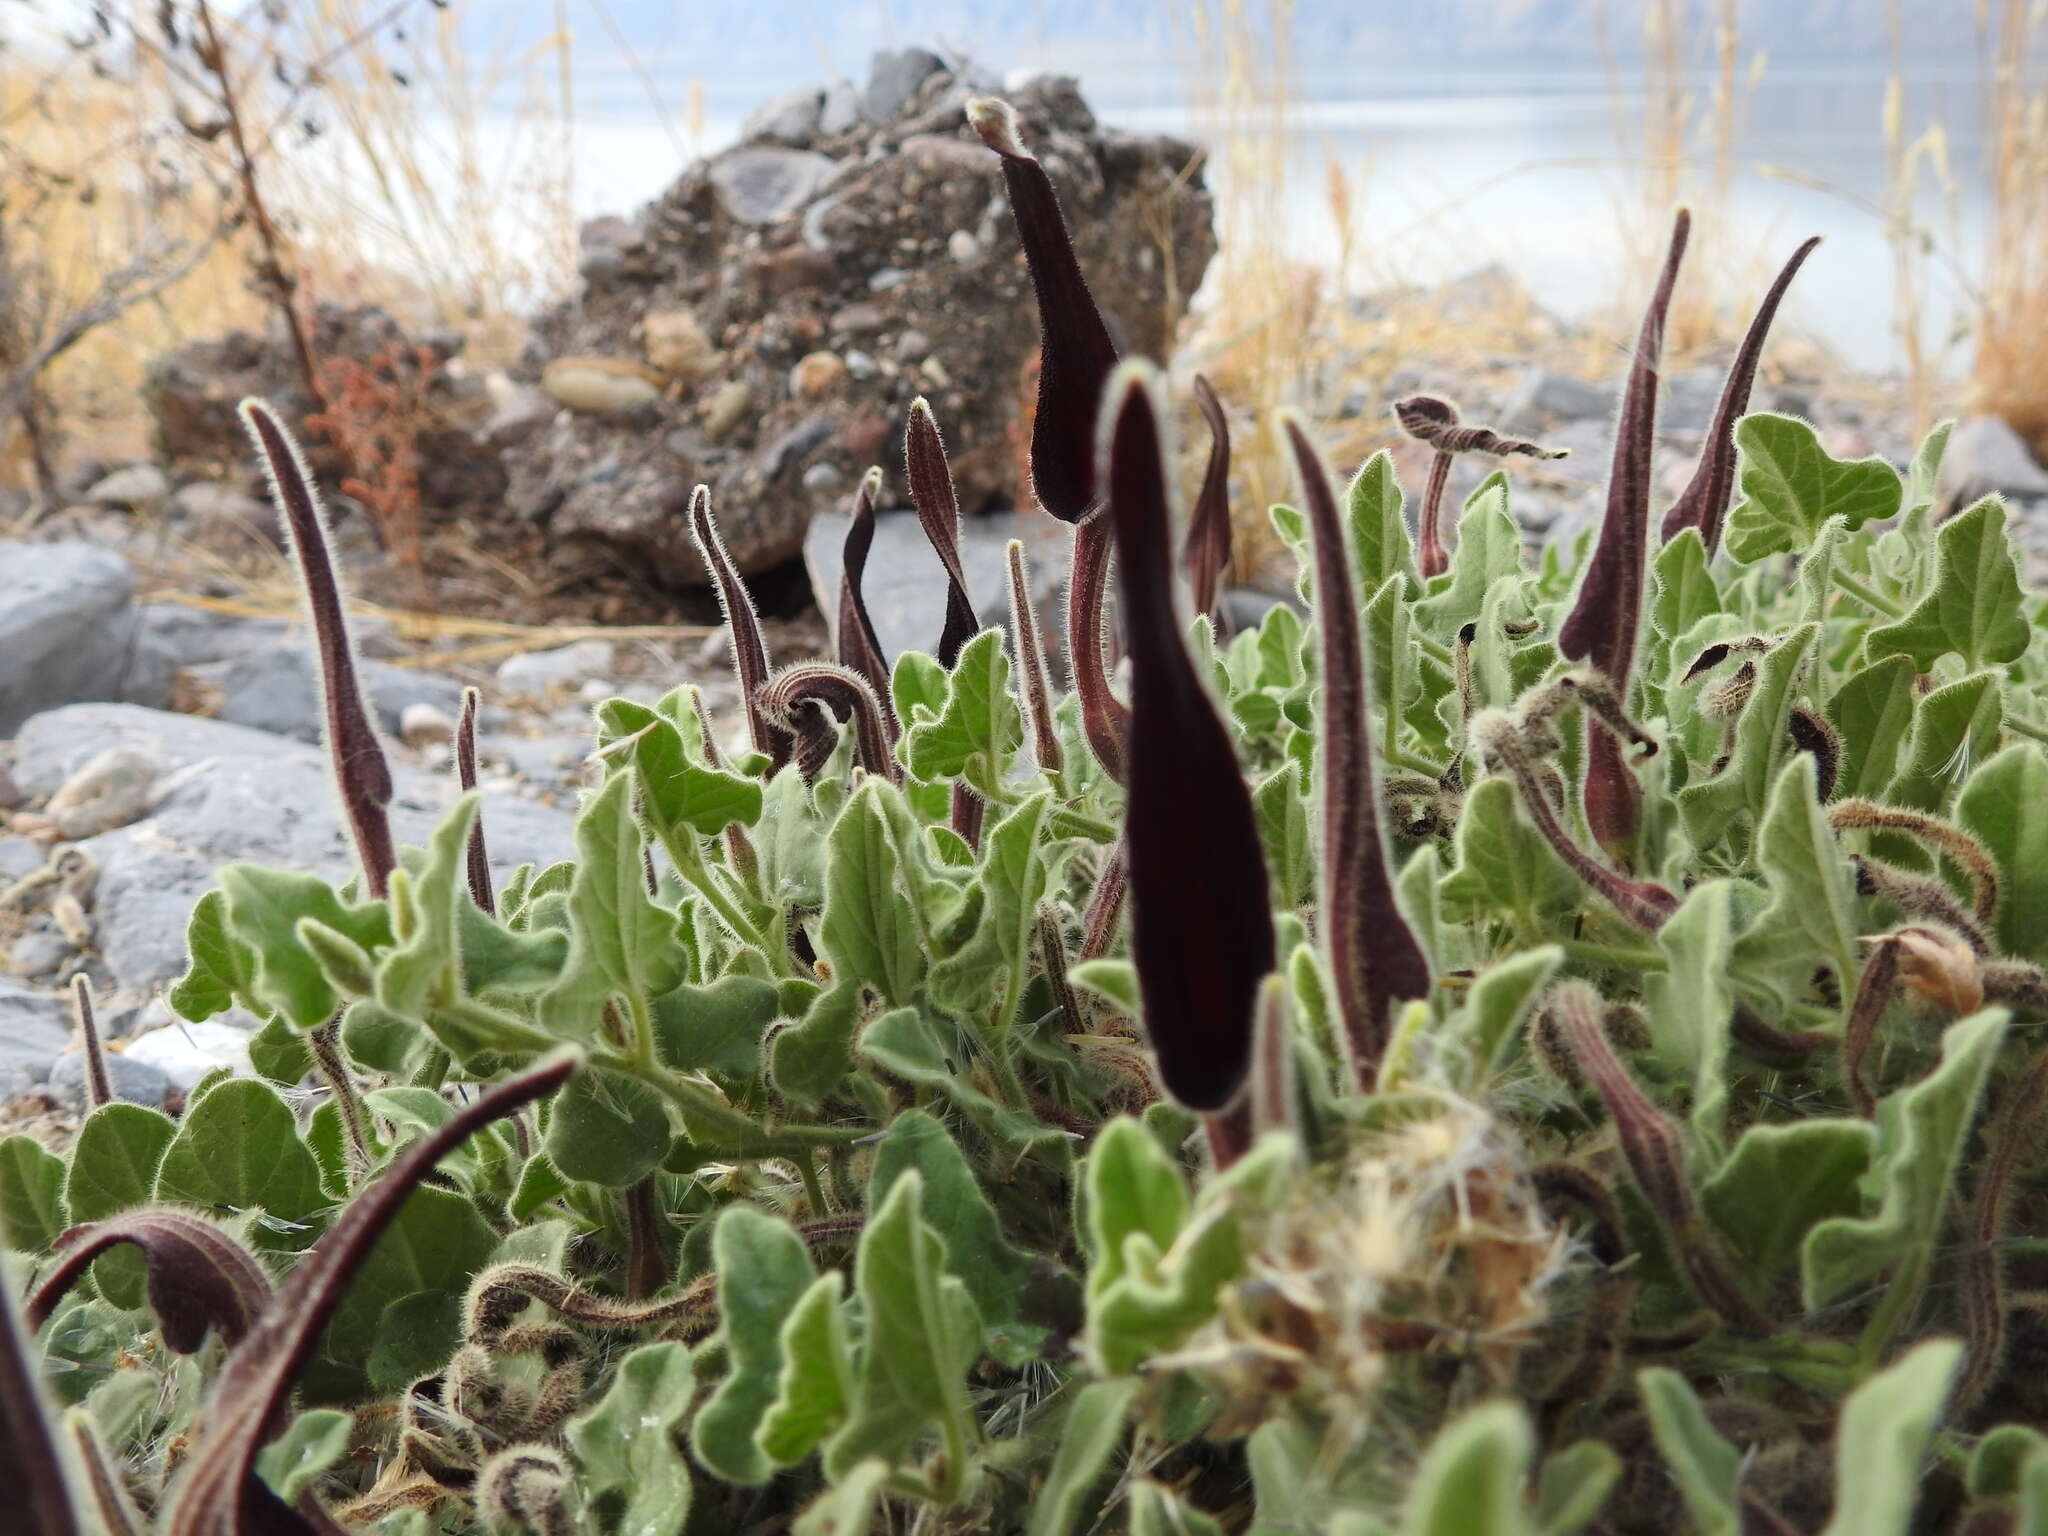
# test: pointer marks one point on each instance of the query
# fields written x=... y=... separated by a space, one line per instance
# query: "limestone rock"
x=68 y=631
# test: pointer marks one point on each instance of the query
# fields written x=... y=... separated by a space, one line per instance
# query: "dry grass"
x=2011 y=368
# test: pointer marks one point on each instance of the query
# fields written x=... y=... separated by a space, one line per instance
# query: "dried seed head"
x=1941 y=968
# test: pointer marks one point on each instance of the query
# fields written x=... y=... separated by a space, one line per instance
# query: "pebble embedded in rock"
x=790 y=119
x=601 y=386
x=110 y=791
x=894 y=76
x=760 y=183
x=728 y=408
x=423 y=725
x=139 y=486
x=677 y=345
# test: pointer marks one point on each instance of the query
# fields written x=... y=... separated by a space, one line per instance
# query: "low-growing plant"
x=1531 y=1048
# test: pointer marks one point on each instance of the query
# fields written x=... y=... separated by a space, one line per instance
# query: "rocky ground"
x=763 y=327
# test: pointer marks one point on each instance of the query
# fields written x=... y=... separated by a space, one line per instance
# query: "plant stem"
x=1867 y=596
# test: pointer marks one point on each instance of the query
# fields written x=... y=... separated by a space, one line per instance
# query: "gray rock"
x=793 y=445
x=133 y=1082
x=191 y=637
x=223 y=517
x=139 y=485
x=18 y=856
x=228 y=793
x=545 y=760
x=535 y=672
x=10 y=792
x=33 y=1030
x=840 y=109
x=1543 y=396
x=520 y=412
x=905 y=586
x=183 y=1052
x=894 y=76
x=1985 y=456
x=40 y=951
x=790 y=119
x=760 y=183
x=68 y=632
x=1686 y=400
x=277 y=689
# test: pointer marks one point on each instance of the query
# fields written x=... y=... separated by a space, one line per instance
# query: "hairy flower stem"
x=1605 y=620
x=1655 y=1151
x=646 y=1264
x=743 y=625
x=1033 y=682
x=1981 y=1291
x=479 y=861
x=360 y=771
x=324 y=1045
x=99 y=1089
x=1375 y=961
x=1431 y=558
x=1105 y=721
x=1105 y=906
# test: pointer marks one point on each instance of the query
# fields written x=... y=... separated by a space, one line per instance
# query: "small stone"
x=133 y=1082
x=792 y=445
x=790 y=119
x=535 y=672
x=676 y=345
x=18 y=856
x=108 y=792
x=520 y=412
x=40 y=951
x=823 y=476
x=963 y=247
x=139 y=485
x=912 y=345
x=840 y=109
x=815 y=374
x=882 y=279
x=760 y=183
x=33 y=1029
x=1543 y=396
x=184 y=1052
x=728 y=408
x=602 y=244
x=67 y=629
x=422 y=725
x=863 y=434
x=858 y=320
x=1985 y=455
x=792 y=268
x=10 y=792
x=894 y=76
x=601 y=386
x=935 y=372
x=224 y=518
x=859 y=364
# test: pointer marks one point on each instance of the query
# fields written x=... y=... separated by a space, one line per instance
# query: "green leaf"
x=2000 y=803
x=1922 y=1133
x=1689 y=1005
x=1489 y=547
x=905 y=1044
x=1114 y=981
x=1470 y=1479
x=1505 y=870
x=1498 y=1001
x=1158 y=1511
x=1812 y=915
x=1380 y=546
x=498 y=962
x=679 y=796
x=976 y=1250
x=1974 y=606
x=1685 y=591
x=607 y=1128
x=871 y=935
x=1954 y=729
x=985 y=977
x=1886 y=1426
x=113 y=1168
x=810 y=1058
x=627 y=1445
x=815 y=1390
x=623 y=942
x=1088 y=1437
x=763 y=1272
x=1790 y=485
x=313 y=1442
x=1925 y=469
x=1784 y=1179
x=217 y=970
x=718 y=1028
x=238 y=1149
x=1389 y=655
x=917 y=687
x=850 y=1507
x=1871 y=713
x=1283 y=828
x=432 y=1249
x=1762 y=742
x=263 y=911
x=1133 y=1189
x=922 y=1336
x=415 y=1336
x=424 y=970
x=978 y=727
x=1574 y=1483
x=278 y=1052
x=31 y=1195
x=1706 y=1467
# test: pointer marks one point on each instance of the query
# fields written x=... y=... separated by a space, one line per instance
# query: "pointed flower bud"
x=749 y=649
x=1201 y=930
x=938 y=513
x=1208 y=540
x=859 y=647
